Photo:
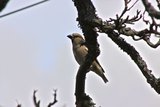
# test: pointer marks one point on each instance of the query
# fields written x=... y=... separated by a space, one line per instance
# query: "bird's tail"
x=104 y=78
x=96 y=67
x=100 y=72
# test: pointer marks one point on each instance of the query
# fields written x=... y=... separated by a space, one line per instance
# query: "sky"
x=35 y=53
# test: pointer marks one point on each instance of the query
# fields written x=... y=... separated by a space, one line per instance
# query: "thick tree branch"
x=105 y=27
x=109 y=28
x=135 y=56
x=151 y=10
x=158 y=4
x=86 y=12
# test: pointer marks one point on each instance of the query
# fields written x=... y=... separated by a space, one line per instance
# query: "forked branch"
x=36 y=103
x=55 y=99
x=151 y=10
x=120 y=26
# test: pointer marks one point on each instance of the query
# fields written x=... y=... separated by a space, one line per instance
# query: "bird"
x=80 y=51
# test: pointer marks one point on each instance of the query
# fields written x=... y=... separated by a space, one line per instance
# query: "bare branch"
x=121 y=27
x=126 y=2
x=55 y=99
x=88 y=22
x=86 y=15
x=133 y=4
x=144 y=20
x=121 y=22
x=158 y=4
x=109 y=29
x=153 y=45
x=142 y=35
x=36 y=103
x=151 y=10
x=158 y=1
x=131 y=51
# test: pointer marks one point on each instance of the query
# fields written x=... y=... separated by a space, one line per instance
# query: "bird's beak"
x=70 y=37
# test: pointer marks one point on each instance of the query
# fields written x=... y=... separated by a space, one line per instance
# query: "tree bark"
x=88 y=21
x=86 y=12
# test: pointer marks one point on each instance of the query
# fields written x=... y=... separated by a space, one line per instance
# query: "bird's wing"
x=86 y=50
x=84 y=46
x=99 y=64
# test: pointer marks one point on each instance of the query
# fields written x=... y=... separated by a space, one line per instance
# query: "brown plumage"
x=80 y=51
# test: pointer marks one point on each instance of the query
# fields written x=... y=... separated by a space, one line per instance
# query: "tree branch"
x=3 y=4
x=151 y=10
x=109 y=28
x=86 y=12
x=36 y=103
x=55 y=99
x=135 y=56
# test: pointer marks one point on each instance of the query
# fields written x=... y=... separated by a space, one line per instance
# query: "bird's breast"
x=80 y=54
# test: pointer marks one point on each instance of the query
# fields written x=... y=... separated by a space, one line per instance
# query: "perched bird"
x=80 y=51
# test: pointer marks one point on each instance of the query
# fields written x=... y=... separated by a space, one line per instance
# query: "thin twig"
x=18 y=104
x=55 y=99
x=36 y=103
x=133 y=4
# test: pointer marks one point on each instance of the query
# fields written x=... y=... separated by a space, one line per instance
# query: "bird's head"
x=76 y=38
